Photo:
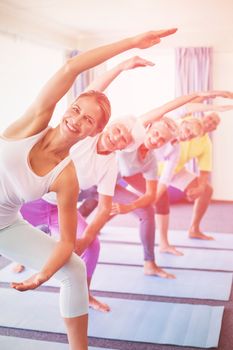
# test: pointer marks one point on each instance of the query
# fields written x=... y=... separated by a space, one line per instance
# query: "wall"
x=36 y=62
x=223 y=137
x=140 y=90
x=24 y=68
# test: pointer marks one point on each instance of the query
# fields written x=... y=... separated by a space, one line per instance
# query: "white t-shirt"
x=93 y=168
x=130 y=163
x=168 y=155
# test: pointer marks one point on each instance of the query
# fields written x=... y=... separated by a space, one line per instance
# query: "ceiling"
x=200 y=22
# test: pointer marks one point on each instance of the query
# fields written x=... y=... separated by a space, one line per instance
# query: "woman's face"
x=157 y=135
x=189 y=129
x=211 y=122
x=82 y=119
x=115 y=137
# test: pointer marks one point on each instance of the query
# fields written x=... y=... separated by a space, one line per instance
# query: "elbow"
x=70 y=69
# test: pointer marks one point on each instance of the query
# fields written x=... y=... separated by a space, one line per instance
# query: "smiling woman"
x=88 y=114
x=44 y=165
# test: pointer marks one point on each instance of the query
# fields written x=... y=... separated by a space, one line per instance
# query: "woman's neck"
x=143 y=151
x=53 y=144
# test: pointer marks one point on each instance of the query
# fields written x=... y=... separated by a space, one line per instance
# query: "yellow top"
x=199 y=148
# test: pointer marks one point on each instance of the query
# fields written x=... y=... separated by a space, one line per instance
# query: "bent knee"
x=209 y=189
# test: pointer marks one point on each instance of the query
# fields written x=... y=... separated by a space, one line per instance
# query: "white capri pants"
x=29 y=246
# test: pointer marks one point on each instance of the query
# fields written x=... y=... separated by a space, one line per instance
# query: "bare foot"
x=169 y=249
x=151 y=269
x=18 y=268
x=97 y=305
x=200 y=235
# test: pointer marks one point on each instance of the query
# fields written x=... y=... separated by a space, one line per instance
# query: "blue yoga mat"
x=130 y=279
x=204 y=259
x=176 y=237
x=10 y=343
x=131 y=320
x=188 y=284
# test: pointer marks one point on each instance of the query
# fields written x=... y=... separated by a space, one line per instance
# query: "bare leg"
x=162 y=223
x=151 y=269
x=77 y=332
x=200 y=206
x=95 y=303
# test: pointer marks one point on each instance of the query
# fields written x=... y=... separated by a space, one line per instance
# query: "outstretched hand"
x=135 y=62
x=31 y=283
x=224 y=94
x=216 y=93
x=223 y=108
x=195 y=192
x=118 y=208
x=148 y=39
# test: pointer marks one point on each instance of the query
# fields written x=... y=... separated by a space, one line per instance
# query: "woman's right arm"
x=38 y=115
x=101 y=83
x=203 y=107
x=159 y=112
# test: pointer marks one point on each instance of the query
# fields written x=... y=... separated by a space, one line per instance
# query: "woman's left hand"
x=119 y=209
x=31 y=283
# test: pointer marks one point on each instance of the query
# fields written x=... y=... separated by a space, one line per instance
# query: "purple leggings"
x=40 y=212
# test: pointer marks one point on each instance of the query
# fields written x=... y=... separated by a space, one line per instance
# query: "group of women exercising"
x=43 y=170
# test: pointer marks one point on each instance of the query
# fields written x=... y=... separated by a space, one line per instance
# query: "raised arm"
x=203 y=107
x=158 y=112
x=40 y=112
x=215 y=93
x=101 y=83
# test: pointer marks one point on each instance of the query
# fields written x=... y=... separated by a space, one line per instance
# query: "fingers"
x=145 y=63
x=21 y=287
x=137 y=61
x=166 y=32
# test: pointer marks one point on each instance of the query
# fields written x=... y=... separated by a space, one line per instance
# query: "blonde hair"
x=171 y=126
x=214 y=115
x=103 y=103
x=197 y=126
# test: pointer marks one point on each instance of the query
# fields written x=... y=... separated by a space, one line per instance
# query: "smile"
x=72 y=128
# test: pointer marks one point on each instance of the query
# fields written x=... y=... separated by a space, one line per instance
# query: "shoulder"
x=67 y=181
